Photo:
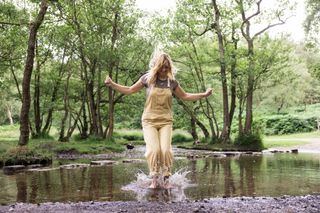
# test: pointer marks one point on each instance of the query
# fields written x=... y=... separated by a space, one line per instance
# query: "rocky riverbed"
x=309 y=203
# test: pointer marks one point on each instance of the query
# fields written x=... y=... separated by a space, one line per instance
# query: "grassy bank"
x=289 y=140
x=48 y=147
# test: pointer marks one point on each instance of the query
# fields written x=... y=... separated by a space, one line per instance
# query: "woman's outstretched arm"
x=180 y=93
x=124 y=89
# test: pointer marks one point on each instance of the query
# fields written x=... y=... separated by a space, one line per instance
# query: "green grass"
x=283 y=143
x=289 y=140
x=315 y=134
x=214 y=147
x=9 y=137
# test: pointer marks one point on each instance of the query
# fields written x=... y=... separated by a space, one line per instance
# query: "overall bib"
x=157 y=130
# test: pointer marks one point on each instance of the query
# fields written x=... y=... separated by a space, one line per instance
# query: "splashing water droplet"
x=175 y=192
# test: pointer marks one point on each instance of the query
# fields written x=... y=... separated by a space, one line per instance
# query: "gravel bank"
x=309 y=203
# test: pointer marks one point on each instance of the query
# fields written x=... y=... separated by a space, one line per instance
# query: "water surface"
x=263 y=175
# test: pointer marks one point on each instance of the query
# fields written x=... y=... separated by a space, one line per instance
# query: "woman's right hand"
x=108 y=82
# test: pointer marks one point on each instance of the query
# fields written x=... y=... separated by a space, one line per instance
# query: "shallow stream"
x=197 y=178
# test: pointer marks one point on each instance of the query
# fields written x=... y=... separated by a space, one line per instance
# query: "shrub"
x=250 y=141
x=133 y=137
x=180 y=138
x=278 y=125
x=25 y=156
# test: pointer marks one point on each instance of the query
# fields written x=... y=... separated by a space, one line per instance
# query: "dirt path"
x=312 y=145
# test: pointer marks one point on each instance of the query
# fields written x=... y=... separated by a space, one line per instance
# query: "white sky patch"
x=161 y=6
x=293 y=26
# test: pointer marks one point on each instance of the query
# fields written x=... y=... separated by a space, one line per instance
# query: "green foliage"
x=181 y=138
x=281 y=143
x=25 y=156
x=87 y=147
x=287 y=124
x=250 y=141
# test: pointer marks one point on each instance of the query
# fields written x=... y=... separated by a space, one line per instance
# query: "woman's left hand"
x=208 y=92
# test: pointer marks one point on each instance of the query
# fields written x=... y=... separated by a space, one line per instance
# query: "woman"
x=157 y=115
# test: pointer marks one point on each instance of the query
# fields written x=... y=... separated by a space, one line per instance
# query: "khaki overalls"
x=157 y=130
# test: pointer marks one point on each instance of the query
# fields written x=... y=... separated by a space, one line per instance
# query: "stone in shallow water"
x=102 y=162
x=33 y=166
x=43 y=169
x=12 y=169
x=132 y=161
x=72 y=166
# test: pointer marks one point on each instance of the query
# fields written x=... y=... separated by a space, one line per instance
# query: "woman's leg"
x=166 y=149
x=153 y=154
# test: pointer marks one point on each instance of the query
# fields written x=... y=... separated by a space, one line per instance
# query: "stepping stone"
x=103 y=162
x=73 y=166
x=231 y=154
x=33 y=166
x=12 y=169
x=294 y=151
x=42 y=169
x=132 y=161
x=218 y=155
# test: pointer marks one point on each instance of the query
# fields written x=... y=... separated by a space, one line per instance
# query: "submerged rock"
x=132 y=161
x=13 y=169
x=102 y=162
x=76 y=165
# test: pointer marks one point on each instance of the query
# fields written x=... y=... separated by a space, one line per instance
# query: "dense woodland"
x=55 y=55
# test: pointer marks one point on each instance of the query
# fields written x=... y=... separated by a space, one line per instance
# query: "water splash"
x=178 y=181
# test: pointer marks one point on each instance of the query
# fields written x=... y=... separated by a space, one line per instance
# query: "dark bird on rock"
x=130 y=146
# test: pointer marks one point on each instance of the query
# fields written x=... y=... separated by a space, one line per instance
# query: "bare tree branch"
x=270 y=26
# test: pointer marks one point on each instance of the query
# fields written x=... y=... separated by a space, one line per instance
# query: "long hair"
x=156 y=64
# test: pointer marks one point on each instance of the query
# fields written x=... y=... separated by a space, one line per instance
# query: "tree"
x=12 y=49
x=312 y=25
x=24 y=115
x=312 y=22
x=246 y=29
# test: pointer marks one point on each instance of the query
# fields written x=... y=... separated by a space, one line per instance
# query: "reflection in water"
x=21 y=187
x=229 y=187
x=34 y=187
x=264 y=175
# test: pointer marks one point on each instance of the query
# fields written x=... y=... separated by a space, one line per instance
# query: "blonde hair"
x=156 y=64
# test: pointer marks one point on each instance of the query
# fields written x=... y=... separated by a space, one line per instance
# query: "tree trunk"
x=193 y=130
x=36 y=96
x=241 y=105
x=15 y=80
x=9 y=114
x=55 y=89
x=66 y=109
x=92 y=105
x=99 y=119
x=111 y=66
x=226 y=120
x=233 y=79
x=24 y=115
x=250 y=88
x=193 y=116
x=83 y=129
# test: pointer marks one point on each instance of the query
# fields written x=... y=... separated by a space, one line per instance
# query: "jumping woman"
x=157 y=117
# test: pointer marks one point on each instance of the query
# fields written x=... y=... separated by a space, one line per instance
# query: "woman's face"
x=165 y=68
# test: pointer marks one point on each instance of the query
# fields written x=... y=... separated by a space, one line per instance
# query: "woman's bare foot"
x=154 y=183
x=166 y=183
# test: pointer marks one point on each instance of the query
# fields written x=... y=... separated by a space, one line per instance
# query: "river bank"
x=309 y=203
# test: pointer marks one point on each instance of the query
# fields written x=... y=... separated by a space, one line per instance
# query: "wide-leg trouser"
x=158 y=148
